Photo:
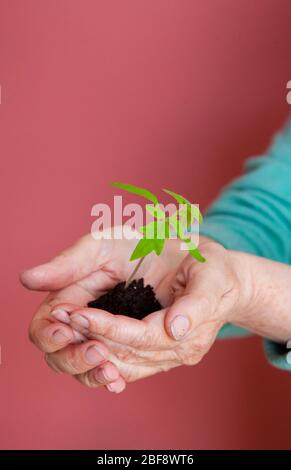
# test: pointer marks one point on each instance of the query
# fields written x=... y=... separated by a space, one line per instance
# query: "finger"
x=132 y=356
x=142 y=334
x=50 y=337
x=117 y=387
x=52 y=332
x=73 y=264
x=199 y=301
x=106 y=373
x=133 y=372
x=41 y=329
x=76 y=359
x=91 y=322
x=99 y=376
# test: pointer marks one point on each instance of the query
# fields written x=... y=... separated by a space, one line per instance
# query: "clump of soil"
x=136 y=300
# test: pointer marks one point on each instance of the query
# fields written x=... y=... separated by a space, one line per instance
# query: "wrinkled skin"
x=99 y=348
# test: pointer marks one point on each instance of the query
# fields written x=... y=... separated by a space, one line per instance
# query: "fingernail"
x=61 y=336
x=110 y=374
x=111 y=387
x=116 y=387
x=61 y=315
x=180 y=326
x=106 y=375
x=94 y=355
x=80 y=321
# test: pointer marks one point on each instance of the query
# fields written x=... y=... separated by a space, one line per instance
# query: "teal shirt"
x=253 y=214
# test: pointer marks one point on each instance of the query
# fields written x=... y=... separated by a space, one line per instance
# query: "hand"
x=78 y=275
x=198 y=300
x=203 y=298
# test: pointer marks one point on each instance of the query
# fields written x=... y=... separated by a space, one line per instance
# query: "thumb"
x=71 y=265
x=197 y=303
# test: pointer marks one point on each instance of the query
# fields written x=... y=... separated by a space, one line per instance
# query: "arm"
x=254 y=215
x=267 y=307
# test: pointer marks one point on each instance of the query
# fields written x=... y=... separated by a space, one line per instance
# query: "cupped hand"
x=79 y=274
x=99 y=348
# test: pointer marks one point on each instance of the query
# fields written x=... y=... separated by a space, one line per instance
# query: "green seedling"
x=163 y=226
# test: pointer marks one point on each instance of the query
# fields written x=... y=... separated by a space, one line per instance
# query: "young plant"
x=163 y=226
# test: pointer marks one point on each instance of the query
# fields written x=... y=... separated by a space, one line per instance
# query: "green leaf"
x=194 y=251
x=158 y=229
x=197 y=255
x=167 y=229
x=189 y=212
x=155 y=211
x=151 y=241
x=174 y=222
x=149 y=230
x=193 y=210
x=143 y=248
x=180 y=199
x=159 y=245
x=137 y=190
x=178 y=222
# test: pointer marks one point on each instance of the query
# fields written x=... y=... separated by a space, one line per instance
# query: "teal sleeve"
x=253 y=214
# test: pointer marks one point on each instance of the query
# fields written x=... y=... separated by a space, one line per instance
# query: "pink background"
x=173 y=93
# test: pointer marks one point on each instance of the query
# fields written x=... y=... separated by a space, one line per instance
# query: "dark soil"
x=136 y=301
